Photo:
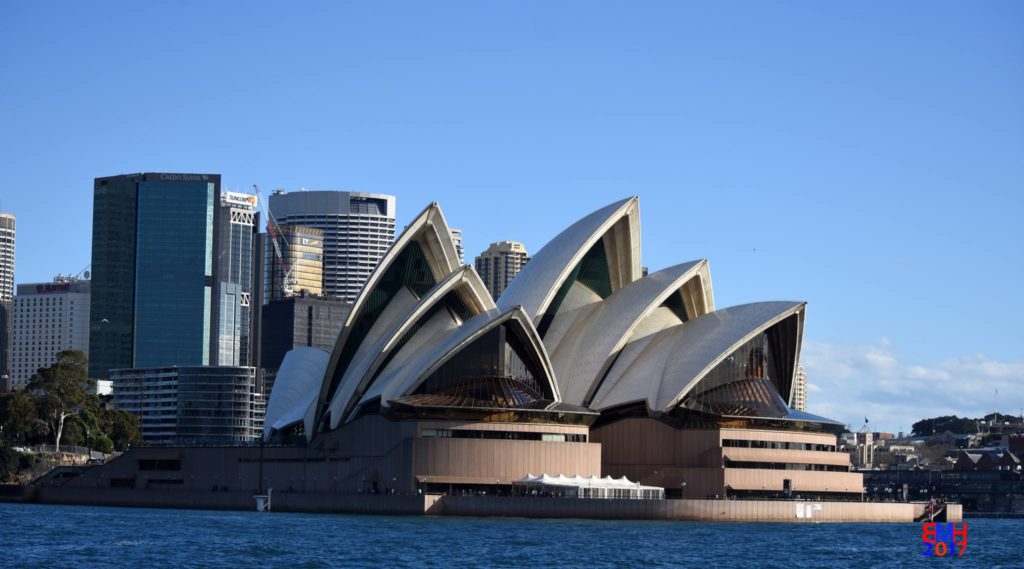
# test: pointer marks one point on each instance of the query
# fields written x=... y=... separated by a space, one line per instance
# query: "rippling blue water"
x=73 y=536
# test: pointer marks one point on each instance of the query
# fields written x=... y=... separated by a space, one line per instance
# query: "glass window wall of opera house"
x=585 y=366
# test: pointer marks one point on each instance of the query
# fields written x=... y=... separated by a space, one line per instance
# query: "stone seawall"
x=499 y=506
x=695 y=510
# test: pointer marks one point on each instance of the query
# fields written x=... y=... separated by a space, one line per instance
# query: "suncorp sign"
x=235 y=198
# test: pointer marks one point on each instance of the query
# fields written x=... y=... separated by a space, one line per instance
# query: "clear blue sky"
x=865 y=157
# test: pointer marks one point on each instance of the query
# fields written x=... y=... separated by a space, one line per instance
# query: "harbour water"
x=77 y=536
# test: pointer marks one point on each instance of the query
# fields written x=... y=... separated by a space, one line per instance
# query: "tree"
x=61 y=402
x=124 y=430
x=18 y=418
x=9 y=463
x=63 y=391
x=951 y=423
x=12 y=462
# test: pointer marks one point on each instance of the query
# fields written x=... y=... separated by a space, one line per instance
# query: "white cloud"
x=857 y=381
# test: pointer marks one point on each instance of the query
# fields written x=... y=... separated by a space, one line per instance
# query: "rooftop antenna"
x=84 y=273
x=866 y=428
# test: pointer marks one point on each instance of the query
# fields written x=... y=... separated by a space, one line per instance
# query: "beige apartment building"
x=499 y=264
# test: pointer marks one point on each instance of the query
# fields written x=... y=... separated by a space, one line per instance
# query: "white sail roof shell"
x=376 y=347
x=402 y=378
x=629 y=347
x=661 y=369
x=537 y=283
x=581 y=359
x=430 y=230
x=295 y=388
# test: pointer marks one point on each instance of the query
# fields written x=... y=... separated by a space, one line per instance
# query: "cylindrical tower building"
x=358 y=229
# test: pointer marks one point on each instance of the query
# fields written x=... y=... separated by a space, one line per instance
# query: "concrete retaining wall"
x=703 y=510
x=501 y=506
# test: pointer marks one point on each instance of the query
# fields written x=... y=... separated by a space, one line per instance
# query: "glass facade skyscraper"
x=237 y=226
x=153 y=275
x=174 y=273
x=112 y=305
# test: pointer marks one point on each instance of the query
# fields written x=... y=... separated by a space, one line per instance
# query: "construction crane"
x=274 y=233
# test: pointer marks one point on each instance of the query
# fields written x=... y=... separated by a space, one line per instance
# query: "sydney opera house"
x=583 y=367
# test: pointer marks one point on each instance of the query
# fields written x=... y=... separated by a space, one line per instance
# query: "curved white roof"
x=295 y=388
x=402 y=378
x=536 y=284
x=581 y=360
x=609 y=343
x=465 y=281
x=430 y=230
x=667 y=365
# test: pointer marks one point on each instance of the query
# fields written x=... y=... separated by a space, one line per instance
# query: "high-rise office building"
x=800 y=389
x=153 y=271
x=457 y=238
x=499 y=264
x=295 y=265
x=48 y=318
x=237 y=226
x=358 y=229
x=7 y=233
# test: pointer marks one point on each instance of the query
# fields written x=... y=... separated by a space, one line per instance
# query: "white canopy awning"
x=578 y=481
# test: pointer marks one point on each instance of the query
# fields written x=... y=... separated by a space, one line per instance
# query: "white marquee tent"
x=592 y=487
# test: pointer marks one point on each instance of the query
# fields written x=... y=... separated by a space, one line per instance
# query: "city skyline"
x=889 y=169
